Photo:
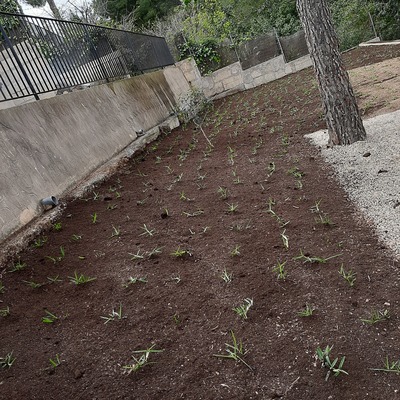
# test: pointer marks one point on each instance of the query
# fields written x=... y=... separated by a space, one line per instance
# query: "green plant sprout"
x=180 y=252
x=307 y=311
x=232 y=208
x=147 y=231
x=280 y=271
x=389 y=366
x=115 y=314
x=133 y=280
x=154 y=252
x=227 y=276
x=2 y=287
x=33 y=285
x=285 y=239
x=271 y=168
x=176 y=319
x=176 y=278
x=54 y=279
x=376 y=316
x=49 y=318
x=5 y=312
x=235 y=251
x=94 y=218
x=75 y=238
x=324 y=219
x=193 y=214
x=315 y=208
x=80 y=279
x=223 y=192
x=39 y=242
x=56 y=362
x=7 y=361
x=57 y=226
x=235 y=351
x=59 y=258
x=19 y=266
x=142 y=361
x=323 y=356
x=116 y=231
x=244 y=308
x=112 y=206
x=349 y=276
x=314 y=259
x=296 y=172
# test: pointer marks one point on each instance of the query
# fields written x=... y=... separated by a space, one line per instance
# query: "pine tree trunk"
x=340 y=107
x=54 y=10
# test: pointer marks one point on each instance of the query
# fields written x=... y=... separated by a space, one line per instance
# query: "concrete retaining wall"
x=233 y=78
x=50 y=145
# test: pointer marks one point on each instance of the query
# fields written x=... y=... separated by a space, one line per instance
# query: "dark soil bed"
x=158 y=237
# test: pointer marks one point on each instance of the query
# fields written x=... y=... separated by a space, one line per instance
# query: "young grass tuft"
x=235 y=251
x=226 y=276
x=49 y=318
x=5 y=312
x=7 y=361
x=349 y=276
x=280 y=271
x=80 y=279
x=244 y=308
x=115 y=314
x=376 y=316
x=333 y=367
x=235 y=351
x=142 y=361
x=314 y=259
x=19 y=266
x=389 y=366
x=307 y=311
x=147 y=231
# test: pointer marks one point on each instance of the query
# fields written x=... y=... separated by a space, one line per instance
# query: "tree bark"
x=54 y=9
x=342 y=115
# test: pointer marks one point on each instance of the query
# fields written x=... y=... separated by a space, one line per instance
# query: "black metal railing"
x=40 y=55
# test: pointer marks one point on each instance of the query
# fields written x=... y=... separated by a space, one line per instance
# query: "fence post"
x=280 y=45
x=372 y=24
x=21 y=67
x=93 y=48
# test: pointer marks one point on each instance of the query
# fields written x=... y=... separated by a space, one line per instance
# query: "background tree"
x=10 y=6
x=341 y=111
x=41 y=3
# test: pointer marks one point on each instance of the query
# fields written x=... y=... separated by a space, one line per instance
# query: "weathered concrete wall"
x=233 y=78
x=49 y=145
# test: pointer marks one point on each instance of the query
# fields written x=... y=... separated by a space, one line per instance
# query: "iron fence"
x=40 y=55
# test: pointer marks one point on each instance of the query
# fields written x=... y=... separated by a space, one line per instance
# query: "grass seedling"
x=142 y=361
x=176 y=278
x=285 y=239
x=80 y=279
x=235 y=251
x=314 y=259
x=94 y=218
x=349 y=276
x=112 y=206
x=5 y=312
x=59 y=258
x=193 y=214
x=315 y=208
x=271 y=168
x=223 y=192
x=333 y=366
x=2 y=288
x=180 y=252
x=54 y=279
x=137 y=256
x=227 y=276
x=57 y=226
x=56 y=362
x=147 y=231
x=235 y=351
x=280 y=271
x=115 y=314
x=389 y=366
x=39 y=242
x=154 y=252
x=377 y=316
x=49 y=318
x=324 y=219
x=116 y=231
x=19 y=266
x=244 y=308
x=133 y=280
x=95 y=195
x=33 y=285
x=75 y=238
x=7 y=361
x=232 y=208
x=307 y=311
x=295 y=172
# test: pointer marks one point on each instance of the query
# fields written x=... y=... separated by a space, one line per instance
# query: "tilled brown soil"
x=260 y=196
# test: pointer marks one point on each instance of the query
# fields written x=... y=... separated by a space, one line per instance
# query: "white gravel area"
x=369 y=171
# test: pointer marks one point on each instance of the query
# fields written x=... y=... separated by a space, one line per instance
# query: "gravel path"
x=369 y=171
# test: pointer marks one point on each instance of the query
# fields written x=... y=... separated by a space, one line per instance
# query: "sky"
x=63 y=5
